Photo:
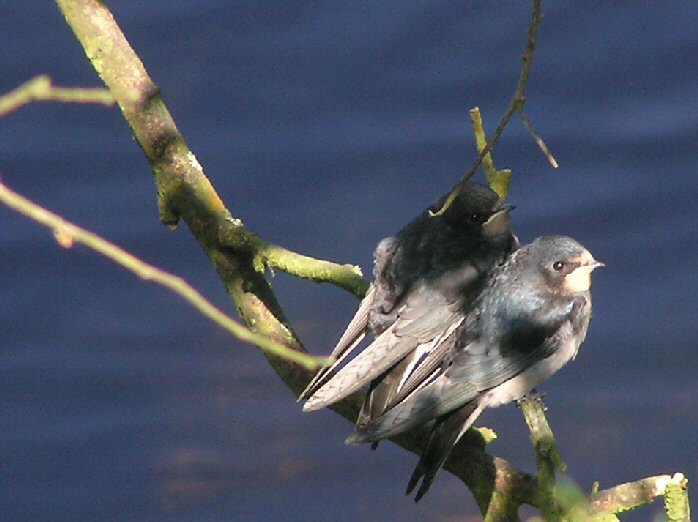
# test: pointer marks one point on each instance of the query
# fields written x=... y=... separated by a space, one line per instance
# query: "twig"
x=233 y=233
x=39 y=88
x=67 y=234
x=676 y=499
x=634 y=494
x=517 y=103
x=548 y=459
x=529 y=126
x=345 y=276
x=498 y=180
x=481 y=143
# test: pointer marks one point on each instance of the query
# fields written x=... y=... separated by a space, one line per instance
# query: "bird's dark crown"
x=473 y=206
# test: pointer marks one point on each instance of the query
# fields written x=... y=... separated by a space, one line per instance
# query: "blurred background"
x=325 y=127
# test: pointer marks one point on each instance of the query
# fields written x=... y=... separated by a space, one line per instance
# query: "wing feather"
x=352 y=336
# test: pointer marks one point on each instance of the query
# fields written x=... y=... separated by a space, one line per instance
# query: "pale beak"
x=587 y=261
x=499 y=222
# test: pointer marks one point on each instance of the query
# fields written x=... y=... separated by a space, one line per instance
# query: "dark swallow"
x=527 y=323
x=425 y=275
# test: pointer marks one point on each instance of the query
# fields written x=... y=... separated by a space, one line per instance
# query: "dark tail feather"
x=414 y=479
x=352 y=336
x=365 y=415
x=444 y=435
x=380 y=393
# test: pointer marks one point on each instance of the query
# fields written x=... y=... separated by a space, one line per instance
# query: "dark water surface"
x=326 y=127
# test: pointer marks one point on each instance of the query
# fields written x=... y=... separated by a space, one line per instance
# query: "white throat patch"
x=579 y=280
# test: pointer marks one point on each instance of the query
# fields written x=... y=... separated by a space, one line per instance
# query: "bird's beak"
x=588 y=263
x=594 y=264
x=499 y=222
x=506 y=208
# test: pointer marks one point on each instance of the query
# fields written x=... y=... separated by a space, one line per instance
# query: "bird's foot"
x=533 y=395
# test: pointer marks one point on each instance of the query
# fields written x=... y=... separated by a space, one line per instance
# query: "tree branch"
x=631 y=495
x=232 y=233
x=67 y=234
x=185 y=192
x=498 y=180
x=548 y=459
x=241 y=258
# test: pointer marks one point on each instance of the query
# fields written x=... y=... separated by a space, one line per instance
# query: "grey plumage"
x=424 y=278
x=528 y=322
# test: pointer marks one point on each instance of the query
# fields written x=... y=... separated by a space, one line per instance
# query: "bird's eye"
x=476 y=217
x=558 y=265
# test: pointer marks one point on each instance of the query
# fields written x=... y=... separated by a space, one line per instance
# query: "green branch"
x=548 y=459
x=349 y=277
x=67 y=234
x=498 y=180
x=631 y=495
x=184 y=192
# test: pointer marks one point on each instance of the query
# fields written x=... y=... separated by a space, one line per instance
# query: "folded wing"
x=424 y=322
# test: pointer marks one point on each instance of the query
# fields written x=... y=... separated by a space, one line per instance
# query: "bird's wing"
x=424 y=321
x=445 y=433
x=416 y=369
x=423 y=405
x=351 y=337
x=477 y=367
x=428 y=366
x=453 y=292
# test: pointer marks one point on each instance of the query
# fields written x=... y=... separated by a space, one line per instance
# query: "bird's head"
x=565 y=264
x=478 y=211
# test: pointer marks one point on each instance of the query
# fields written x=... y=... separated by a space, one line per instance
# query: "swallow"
x=425 y=277
x=528 y=322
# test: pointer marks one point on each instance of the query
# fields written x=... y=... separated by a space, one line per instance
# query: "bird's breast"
x=531 y=376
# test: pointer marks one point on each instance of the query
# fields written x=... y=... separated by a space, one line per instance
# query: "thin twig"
x=67 y=234
x=481 y=143
x=234 y=234
x=40 y=88
x=516 y=104
x=498 y=180
x=543 y=147
x=346 y=276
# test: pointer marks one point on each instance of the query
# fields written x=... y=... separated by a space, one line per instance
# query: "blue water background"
x=325 y=127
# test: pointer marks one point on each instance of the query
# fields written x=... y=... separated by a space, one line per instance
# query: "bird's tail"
x=444 y=435
x=353 y=335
